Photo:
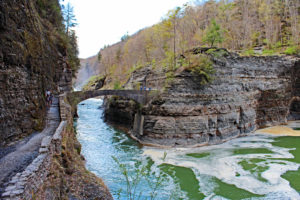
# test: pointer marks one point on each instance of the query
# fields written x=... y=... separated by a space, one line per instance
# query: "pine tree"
x=72 y=52
x=125 y=37
x=213 y=34
x=69 y=17
x=99 y=57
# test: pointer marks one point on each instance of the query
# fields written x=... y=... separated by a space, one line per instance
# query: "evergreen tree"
x=72 y=52
x=99 y=57
x=71 y=38
x=125 y=37
x=69 y=17
x=213 y=34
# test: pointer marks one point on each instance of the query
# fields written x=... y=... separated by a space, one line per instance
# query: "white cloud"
x=102 y=22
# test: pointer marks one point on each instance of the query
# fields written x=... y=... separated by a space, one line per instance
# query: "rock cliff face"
x=32 y=59
x=88 y=68
x=247 y=93
x=120 y=111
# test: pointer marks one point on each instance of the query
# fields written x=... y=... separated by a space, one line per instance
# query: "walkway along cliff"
x=246 y=93
x=34 y=58
x=58 y=171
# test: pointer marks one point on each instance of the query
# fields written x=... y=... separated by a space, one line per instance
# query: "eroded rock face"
x=247 y=93
x=32 y=60
x=120 y=111
x=295 y=102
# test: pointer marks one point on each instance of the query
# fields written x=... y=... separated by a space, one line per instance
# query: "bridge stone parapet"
x=139 y=96
x=64 y=108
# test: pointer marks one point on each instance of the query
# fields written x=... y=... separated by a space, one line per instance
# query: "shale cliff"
x=246 y=93
x=35 y=57
x=32 y=60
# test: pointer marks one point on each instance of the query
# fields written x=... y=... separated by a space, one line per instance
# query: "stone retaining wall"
x=64 y=108
x=24 y=185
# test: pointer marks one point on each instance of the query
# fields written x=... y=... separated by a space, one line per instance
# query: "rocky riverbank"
x=246 y=93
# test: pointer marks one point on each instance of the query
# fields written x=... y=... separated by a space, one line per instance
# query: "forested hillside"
x=262 y=27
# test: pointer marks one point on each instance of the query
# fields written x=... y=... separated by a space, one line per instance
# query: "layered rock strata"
x=247 y=93
x=32 y=60
x=120 y=111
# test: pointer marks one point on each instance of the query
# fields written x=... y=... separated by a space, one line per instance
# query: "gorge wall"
x=32 y=60
x=88 y=68
x=247 y=93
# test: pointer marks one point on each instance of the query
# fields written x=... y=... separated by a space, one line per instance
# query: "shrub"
x=202 y=66
x=293 y=50
x=277 y=45
x=168 y=62
x=182 y=62
x=142 y=172
x=169 y=79
x=153 y=64
x=92 y=81
x=268 y=52
x=117 y=85
x=216 y=52
x=248 y=52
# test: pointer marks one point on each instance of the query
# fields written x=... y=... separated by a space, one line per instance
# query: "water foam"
x=223 y=164
x=220 y=161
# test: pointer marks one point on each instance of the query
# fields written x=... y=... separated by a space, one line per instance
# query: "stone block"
x=57 y=134
x=13 y=181
x=43 y=150
x=46 y=141
x=9 y=188
x=17 y=192
x=6 y=194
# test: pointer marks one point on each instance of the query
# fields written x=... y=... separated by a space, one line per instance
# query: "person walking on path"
x=48 y=98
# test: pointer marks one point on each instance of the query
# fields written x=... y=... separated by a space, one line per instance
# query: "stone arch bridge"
x=139 y=96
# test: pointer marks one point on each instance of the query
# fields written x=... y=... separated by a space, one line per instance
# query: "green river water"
x=251 y=167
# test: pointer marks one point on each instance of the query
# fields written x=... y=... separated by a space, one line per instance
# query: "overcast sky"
x=102 y=22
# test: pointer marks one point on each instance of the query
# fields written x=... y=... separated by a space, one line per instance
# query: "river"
x=253 y=167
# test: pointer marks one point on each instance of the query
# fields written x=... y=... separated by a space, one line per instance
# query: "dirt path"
x=18 y=157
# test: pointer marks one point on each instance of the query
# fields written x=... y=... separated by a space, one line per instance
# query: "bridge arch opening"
x=139 y=97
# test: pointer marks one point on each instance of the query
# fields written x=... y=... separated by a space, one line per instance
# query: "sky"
x=103 y=22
